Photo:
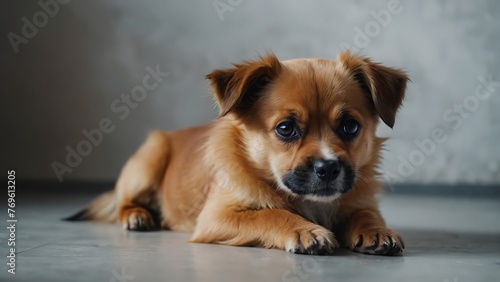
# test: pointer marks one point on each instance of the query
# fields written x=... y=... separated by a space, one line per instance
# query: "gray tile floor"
x=447 y=239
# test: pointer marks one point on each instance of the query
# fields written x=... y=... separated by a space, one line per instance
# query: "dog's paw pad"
x=318 y=241
x=137 y=219
x=381 y=241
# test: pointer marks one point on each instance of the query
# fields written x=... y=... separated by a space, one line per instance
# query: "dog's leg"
x=139 y=180
x=269 y=228
x=364 y=231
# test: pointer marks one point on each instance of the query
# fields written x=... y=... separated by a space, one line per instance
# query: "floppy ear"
x=236 y=89
x=385 y=86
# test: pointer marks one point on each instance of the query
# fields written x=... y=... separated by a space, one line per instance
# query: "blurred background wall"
x=65 y=66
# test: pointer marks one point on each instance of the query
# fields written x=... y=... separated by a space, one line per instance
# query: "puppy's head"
x=310 y=123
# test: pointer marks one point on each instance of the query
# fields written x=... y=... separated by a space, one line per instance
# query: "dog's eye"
x=350 y=128
x=287 y=130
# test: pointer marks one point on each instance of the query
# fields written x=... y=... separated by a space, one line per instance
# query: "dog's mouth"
x=320 y=182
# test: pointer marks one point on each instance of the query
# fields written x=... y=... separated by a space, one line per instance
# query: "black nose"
x=326 y=170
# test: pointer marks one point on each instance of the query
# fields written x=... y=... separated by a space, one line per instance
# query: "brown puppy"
x=290 y=163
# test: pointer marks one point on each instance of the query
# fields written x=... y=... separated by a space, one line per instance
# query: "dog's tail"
x=104 y=209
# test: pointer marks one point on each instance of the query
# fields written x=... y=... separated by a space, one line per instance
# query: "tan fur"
x=222 y=181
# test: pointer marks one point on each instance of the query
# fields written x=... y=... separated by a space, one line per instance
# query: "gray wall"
x=65 y=78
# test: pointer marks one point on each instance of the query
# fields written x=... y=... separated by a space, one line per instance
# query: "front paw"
x=313 y=241
x=377 y=241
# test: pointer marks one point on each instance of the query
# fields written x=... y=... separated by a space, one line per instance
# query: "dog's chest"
x=323 y=214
